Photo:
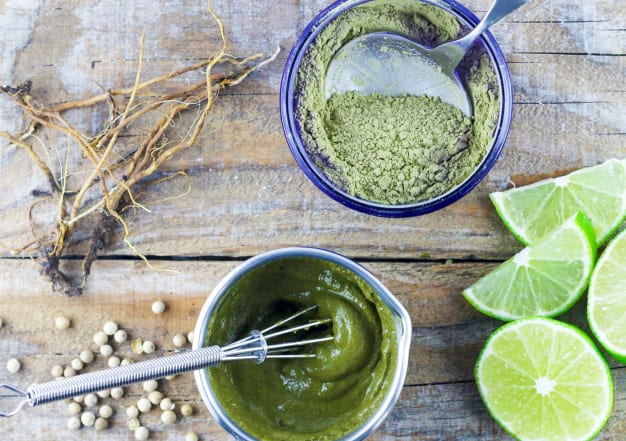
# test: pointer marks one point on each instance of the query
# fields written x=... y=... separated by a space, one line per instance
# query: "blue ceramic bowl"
x=289 y=94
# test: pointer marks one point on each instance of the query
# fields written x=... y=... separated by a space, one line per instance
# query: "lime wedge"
x=606 y=305
x=544 y=279
x=542 y=379
x=533 y=210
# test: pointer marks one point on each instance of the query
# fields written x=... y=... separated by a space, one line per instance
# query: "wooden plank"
x=439 y=400
x=276 y=205
x=560 y=123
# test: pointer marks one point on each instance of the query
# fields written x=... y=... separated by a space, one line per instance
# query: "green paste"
x=321 y=398
x=395 y=150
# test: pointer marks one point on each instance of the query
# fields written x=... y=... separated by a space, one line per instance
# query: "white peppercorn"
x=104 y=393
x=137 y=346
x=57 y=371
x=113 y=361
x=100 y=338
x=133 y=423
x=117 y=392
x=86 y=356
x=74 y=408
x=191 y=436
x=168 y=417
x=101 y=424
x=155 y=397
x=125 y=362
x=73 y=423
x=79 y=398
x=142 y=433
x=148 y=347
x=62 y=323
x=77 y=364
x=186 y=410
x=179 y=340
x=144 y=405
x=88 y=418
x=109 y=327
x=91 y=400
x=106 y=350
x=132 y=412
x=167 y=404
x=69 y=371
x=190 y=337
x=150 y=385
x=120 y=336
x=158 y=307
x=105 y=411
x=14 y=365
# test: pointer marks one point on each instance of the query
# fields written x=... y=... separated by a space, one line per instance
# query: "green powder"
x=395 y=150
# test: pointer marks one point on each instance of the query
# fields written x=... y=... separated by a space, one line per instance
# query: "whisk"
x=254 y=347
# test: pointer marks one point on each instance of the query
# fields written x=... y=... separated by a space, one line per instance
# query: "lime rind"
x=582 y=393
x=606 y=302
x=544 y=279
x=529 y=212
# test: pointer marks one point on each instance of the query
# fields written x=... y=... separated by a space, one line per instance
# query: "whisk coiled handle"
x=254 y=347
x=123 y=375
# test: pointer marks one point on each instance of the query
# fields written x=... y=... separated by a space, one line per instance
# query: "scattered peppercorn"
x=14 y=365
x=158 y=307
x=142 y=433
x=62 y=323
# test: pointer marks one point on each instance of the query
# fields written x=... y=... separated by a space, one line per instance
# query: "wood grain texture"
x=439 y=400
x=244 y=194
x=569 y=107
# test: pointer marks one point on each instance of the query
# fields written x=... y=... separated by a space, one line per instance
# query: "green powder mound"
x=411 y=149
x=321 y=121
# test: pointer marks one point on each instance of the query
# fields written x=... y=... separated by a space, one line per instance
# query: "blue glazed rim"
x=292 y=132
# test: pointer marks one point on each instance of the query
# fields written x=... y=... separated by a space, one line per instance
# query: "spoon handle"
x=499 y=9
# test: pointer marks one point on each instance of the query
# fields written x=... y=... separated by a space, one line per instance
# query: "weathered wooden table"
x=246 y=195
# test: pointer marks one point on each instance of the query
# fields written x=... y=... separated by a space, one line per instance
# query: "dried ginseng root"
x=116 y=170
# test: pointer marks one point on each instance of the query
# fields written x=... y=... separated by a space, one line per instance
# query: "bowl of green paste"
x=346 y=390
x=394 y=156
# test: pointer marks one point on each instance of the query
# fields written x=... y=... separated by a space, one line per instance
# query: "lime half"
x=606 y=306
x=544 y=279
x=542 y=379
x=533 y=210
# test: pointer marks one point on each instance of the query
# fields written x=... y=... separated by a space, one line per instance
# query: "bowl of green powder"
x=394 y=156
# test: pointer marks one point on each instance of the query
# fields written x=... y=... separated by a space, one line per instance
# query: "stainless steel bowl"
x=401 y=317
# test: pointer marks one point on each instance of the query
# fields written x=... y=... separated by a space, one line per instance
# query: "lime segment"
x=542 y=379
x=533 y=210
x=606 y=305
x=544 y=279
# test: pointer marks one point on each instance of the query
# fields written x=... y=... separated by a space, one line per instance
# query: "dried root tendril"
x=119 y=178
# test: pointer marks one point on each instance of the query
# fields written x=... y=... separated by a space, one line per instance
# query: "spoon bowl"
x=392 y=65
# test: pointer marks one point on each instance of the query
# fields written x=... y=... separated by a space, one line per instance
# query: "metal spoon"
x=390 y=64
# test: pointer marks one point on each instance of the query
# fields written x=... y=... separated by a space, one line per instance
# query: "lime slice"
x=606 y=307
x=542 y=379
x=533 y=210
x=544 y=279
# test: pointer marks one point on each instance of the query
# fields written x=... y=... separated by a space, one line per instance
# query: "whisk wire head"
x=255 y=346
